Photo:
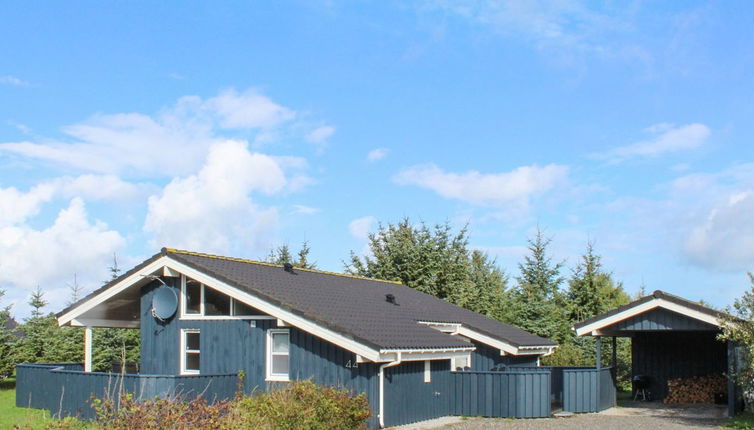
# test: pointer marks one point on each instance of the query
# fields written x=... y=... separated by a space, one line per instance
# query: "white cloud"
x=377 y=154
x=305 y=210
x=12 y=80
x=667 y=139
x=564 y=30
x=212 y=210
x=360 y=227
x=99 y=187
x=320 y=134
x=725 y=239
x=16 y=206
x=247 y=110
x=516 y=187
x=171 y=143
x=72 y=244
x=714 y=217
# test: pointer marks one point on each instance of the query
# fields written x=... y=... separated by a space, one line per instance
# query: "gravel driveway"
x=587 y=422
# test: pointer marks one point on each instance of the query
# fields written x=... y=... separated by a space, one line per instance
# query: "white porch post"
x=88 y=349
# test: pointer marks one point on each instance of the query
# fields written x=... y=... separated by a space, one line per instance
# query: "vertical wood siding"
x=664 y=356
x=661 y=319
x=588 y=390
x=70 y=392
x=516 y=394
x=409 y=399
x=231 y=346
x=487 y=358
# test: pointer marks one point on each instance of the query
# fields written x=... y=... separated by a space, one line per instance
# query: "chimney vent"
x=288 y=267
x=390 y=298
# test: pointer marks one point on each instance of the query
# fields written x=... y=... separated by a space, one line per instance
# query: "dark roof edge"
x=657 y=294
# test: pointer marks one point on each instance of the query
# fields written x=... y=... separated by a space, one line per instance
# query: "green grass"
x=742 y=421
x=10 y=415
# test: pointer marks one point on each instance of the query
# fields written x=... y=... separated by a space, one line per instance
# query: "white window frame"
x=200 y=316
x=427 y=371
x=269 y=353
x=184 y=351
x=454 y=367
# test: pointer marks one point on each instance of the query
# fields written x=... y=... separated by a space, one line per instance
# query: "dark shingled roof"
x=349 y=305
x=656 y=295
x=355 y=306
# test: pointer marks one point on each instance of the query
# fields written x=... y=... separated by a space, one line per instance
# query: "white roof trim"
x=504 y=347
x=266 y=307
x=655 y=303
x=112 y=291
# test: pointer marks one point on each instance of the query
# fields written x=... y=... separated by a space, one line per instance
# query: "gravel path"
x=587 y=422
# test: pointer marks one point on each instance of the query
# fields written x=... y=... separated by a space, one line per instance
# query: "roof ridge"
x=264 y=263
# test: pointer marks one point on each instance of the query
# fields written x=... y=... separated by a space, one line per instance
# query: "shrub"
x=303 y=405
x=125 y=413
x=298 y=405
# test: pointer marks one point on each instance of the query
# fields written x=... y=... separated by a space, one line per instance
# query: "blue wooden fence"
x=588 y=389
x=519 y=392
x=65 y=390
x=516 y=394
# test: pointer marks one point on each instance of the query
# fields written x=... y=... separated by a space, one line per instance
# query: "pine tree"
x=37 y=302
x=435 y=261
x=75 y=290
x=7 y=340
x=282 y=255
x=537 y=303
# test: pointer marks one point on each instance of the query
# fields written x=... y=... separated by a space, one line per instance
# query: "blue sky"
x=233 y=127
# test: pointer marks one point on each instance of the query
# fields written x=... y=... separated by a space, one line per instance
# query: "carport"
x=671 y=337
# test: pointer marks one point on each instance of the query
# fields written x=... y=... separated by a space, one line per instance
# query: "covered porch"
x=671 y=339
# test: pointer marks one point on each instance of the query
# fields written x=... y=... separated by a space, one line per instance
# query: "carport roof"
x=658 y=300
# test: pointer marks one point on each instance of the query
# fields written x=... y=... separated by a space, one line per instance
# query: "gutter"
x=382 y=387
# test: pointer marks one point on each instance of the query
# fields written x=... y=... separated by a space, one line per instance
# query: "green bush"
x=299 y=405
x=303 y=405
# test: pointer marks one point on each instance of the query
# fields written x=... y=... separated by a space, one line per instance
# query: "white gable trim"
x=112 y=291
x=595 y=327
x=504 y=347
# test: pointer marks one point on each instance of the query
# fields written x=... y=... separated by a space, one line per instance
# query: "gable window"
x=202 y=302
x=278 y=354
x=190 y=351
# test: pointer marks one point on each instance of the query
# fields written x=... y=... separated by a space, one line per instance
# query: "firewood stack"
x=698 y=389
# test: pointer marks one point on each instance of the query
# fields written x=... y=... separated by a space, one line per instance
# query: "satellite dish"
x=164 y=303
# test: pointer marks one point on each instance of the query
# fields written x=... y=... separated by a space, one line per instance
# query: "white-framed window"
x=190 y=351
x=460 y=363
x=427 y=371
x=200 y=302
x=278 y=354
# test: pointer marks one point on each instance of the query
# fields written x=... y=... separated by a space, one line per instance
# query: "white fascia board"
x=112 y=291
x=91 y=322
x=487 y=340
x=277 y=312
x=422 y=355
x=595 y=327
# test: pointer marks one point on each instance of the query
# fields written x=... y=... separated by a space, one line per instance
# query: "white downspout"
x=382 y=387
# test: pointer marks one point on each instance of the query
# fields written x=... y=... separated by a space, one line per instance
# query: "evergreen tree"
x=282 y=255
x=43 y=341
x=113 y=345
x=435 y=261
x=7 y=340
x=75 y=289
x=591 y=290
x=537 y=304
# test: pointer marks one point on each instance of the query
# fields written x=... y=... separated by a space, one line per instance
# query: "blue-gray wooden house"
x=278 y=324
